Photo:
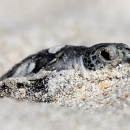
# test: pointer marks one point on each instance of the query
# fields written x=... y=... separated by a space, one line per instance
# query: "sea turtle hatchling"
x=66 y=57
x=44 y=76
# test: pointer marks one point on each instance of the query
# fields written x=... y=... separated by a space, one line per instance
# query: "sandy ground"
x=28 y=26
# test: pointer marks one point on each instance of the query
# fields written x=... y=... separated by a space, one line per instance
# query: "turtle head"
x=106 y=55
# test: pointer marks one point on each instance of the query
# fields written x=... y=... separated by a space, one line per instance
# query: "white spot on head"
x=55 y=49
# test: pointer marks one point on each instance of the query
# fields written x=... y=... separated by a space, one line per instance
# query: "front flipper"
x=56 y=58
x=34 y=63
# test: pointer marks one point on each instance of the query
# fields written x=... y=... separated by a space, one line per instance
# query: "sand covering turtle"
x=71 y=75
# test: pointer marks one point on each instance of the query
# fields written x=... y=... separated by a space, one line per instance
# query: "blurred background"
x=29 y=26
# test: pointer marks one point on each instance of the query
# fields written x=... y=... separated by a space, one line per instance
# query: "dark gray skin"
x=87 y=58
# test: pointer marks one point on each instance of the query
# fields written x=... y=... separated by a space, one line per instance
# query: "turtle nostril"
x=106 y=55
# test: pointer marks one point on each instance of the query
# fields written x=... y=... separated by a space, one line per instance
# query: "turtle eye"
x=108 y=54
